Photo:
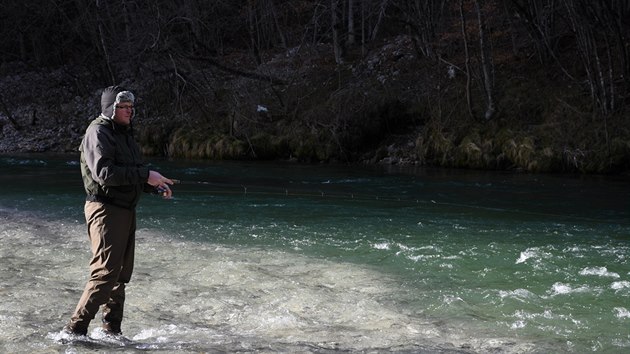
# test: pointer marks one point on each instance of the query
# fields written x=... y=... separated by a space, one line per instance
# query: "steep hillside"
x=469 y=84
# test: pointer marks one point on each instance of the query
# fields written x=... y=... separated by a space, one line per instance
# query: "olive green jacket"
x=112 y=167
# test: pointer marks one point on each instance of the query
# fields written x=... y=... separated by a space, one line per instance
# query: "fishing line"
x=248 y=190
x=244 y=190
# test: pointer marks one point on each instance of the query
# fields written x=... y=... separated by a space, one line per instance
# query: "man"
x=114 y=176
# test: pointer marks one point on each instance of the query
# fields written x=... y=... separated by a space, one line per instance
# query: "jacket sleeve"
x=149 y=189
x=99 y=148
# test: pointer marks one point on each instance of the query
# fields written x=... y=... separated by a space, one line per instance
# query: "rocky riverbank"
x=378 y=110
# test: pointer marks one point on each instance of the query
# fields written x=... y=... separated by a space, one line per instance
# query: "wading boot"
x=75 y=329
x=112 y=328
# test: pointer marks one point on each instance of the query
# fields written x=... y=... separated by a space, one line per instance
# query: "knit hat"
x=112 y=96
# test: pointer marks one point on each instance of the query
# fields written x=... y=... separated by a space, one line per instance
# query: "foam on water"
x=622 y=312
x=519 y=294
x=190 y=296
x=563 y=289
x=599 y=271
x=534 y=255
x=620 y=285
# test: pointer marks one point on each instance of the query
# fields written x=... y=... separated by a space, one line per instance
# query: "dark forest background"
x=534 y=85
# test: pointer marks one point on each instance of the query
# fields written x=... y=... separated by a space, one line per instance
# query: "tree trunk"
x=381 y=14
x=363 y=51
x=486 y=65
x=335 y=31
x=283 y=40
x=351 y=36
x=253 y=33
x=467 y=59
x=103 y=44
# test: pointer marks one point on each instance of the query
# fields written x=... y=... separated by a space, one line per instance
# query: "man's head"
x=117 y=104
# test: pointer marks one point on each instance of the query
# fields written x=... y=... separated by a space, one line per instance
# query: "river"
x=280 y=257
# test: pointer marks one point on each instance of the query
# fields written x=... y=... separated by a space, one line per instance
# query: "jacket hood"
x=112 y=96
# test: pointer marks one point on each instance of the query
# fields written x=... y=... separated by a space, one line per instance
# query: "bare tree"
x=103 y=42
x=466 y=59
x=539 y=18
x=334 y=19
x=381 y=14
x=487 y=66
x=425 y=19
x=602 y=53
x=351 y=34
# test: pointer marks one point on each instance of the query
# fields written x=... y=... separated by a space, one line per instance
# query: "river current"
x=279 y=257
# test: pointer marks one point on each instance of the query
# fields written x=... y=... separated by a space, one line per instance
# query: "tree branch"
x=247 y=74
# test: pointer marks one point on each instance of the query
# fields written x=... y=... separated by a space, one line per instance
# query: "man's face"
x=123 y=112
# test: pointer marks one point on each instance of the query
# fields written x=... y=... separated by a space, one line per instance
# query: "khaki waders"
x=111 y=230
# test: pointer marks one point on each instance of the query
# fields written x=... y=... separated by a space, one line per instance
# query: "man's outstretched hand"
x=161 y=183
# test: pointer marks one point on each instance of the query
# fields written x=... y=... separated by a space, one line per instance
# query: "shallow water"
x=303 y=258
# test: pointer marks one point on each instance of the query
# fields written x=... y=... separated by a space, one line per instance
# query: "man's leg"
x=112 y=311
x=108 y=230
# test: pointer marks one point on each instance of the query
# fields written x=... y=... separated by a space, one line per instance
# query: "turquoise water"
x=316 y=258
